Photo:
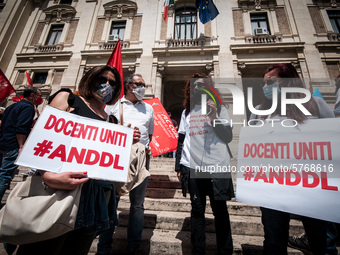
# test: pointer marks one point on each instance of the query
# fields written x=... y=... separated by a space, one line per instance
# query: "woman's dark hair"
x=188 y=95
x=87 y=82
x=290 y=79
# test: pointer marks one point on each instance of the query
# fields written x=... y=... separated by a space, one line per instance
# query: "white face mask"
x=139 y=92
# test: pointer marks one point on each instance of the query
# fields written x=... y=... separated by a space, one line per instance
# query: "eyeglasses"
x=103 y=80
x=138 y=84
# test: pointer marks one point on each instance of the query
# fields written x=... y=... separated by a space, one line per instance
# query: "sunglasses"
x=104 y=80
x=138 y=84
x=199 y=84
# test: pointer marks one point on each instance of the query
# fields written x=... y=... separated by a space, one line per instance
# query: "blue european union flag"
x=207 y=10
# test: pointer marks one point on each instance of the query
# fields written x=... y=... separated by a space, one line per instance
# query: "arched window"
x=186 y=23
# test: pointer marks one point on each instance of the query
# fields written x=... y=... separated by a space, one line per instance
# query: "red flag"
x=115 y=60
x=165 y=136
x=17 y=98
x=6 y=87
x=29 y=80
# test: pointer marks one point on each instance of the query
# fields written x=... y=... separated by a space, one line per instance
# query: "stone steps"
x=180 y=221
x=183 y=205
x=160 y=241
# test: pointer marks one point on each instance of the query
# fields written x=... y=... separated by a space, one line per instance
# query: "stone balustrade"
x=263 y=39
x=48 y=48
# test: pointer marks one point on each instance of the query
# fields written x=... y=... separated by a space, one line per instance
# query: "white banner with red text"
x=62 y=142
x=289 y=168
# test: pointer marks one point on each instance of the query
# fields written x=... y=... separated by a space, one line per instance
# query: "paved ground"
x=2 y=251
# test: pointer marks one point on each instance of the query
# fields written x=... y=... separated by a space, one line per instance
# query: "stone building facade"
x=56 y=41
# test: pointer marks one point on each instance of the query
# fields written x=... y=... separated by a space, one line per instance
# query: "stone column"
x=158 y=85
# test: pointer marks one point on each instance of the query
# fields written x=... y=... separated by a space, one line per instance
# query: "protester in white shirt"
x=202 y=160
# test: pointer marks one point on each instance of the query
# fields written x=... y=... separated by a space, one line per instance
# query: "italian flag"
x=166 y=9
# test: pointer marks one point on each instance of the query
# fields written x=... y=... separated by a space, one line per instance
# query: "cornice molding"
x=60 y=12
x=249 y=5
x=120 y=8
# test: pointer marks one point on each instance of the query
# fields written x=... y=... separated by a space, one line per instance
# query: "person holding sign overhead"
x=276 y=223
x=96 y=212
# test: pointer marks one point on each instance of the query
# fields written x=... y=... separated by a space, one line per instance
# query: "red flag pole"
x=29 y=80
x=115 y=60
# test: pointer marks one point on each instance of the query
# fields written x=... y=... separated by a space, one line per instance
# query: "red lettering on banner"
x=278 y=176
x=305 y=179
x=122 y=138
x=246 y=150
x=67 y=132
x=261 y=175
x=60 y=125
x=75 y=154
x=110 y=136
x=296 y=155
x=289 y=178
x=58 y=128
x=293 y=178
x=101 y=137
x=267 y=150
x=103 y=159
x=92 y=161
x=59 y=152
x=310 y=150
x=82 y=131
x=75 y=130
x=50 y=122
x=259 y=153
x=329 y=150
x=307 y=150
x=115 y=165
x=324 y=183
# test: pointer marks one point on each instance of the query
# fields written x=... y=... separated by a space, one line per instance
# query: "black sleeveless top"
x=81 y=108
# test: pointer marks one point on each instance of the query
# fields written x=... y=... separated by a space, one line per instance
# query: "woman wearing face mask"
x=276 y=223
x=96 y=213
x=202 y=146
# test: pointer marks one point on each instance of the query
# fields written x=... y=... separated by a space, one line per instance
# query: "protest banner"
x=61 y=142
x=164 y=138
x=292 y=169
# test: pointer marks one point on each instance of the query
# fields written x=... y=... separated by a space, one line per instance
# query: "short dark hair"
x=87 y=82
x=129 y=80
x=29 y=90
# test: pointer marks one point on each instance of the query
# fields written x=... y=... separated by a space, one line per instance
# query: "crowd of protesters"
x=100 y=87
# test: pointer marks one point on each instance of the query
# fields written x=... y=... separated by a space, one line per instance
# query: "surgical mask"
x=139 y=92
x=105 y=92
x=268 y=90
